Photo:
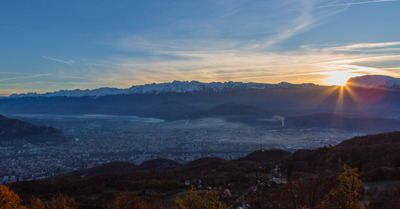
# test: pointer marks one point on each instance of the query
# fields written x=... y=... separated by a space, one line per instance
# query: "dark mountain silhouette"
x=16 y=131
x=107 y=168
x=204 y=162
x=158 y=164
x=376 y=156
x=267 y=156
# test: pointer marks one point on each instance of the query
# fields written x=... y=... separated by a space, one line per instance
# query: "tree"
x=346 y=195
x=210 y=200
x=9 y=200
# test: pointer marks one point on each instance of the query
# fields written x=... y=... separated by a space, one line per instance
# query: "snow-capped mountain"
x=173 y=87
x=374 y=81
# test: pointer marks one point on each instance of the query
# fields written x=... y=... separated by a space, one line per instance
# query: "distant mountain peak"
x=161 y=88
x=374 y=81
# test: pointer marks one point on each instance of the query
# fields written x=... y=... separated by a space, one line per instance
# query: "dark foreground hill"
x=107 y=168
x=249 y=180
x=17 y=131
x=158 y=164
x=274 y=155
x=376 y=156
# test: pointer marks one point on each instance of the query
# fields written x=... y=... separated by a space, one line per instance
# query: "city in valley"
x=97 y=139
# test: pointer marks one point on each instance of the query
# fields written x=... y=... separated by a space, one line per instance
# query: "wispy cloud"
x=234 y=40
x=303 y=22
x=346 y=4
x=354 y=3
x=23 y=77
x=310 y=64
x=383 y=46
x=272 y=26
x=58 y=60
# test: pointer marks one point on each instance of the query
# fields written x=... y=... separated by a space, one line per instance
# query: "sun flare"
x=338 y=78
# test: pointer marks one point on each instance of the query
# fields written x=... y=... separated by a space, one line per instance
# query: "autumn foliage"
x=210 y=200
x=347 y=193
x=9 y=200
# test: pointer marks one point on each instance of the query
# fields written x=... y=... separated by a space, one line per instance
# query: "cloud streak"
x=249 y=41
x=310 y=64
x=344 y=4
x=364 y=46
x=58 y=60
x=300 y=24
x=23 y=77
x=354 y=3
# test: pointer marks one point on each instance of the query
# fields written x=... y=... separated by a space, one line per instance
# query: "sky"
x=53 y=45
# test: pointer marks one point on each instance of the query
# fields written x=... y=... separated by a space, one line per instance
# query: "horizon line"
x=182 y=81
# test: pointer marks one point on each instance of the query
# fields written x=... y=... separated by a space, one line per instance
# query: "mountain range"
x=369 y=81
x=367 y=98
x=162 y=88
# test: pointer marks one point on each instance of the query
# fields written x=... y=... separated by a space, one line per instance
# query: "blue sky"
x=53 y=45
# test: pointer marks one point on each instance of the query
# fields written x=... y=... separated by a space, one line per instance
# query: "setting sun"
x=338 y=78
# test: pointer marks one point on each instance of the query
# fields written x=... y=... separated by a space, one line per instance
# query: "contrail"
x=346 y=4
x=23 y=77
x=354 y=3
x=57 y=60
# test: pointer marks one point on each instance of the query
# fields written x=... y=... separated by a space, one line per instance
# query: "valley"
x=98 y=139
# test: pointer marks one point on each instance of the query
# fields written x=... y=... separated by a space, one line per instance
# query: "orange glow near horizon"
x=338 y=78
